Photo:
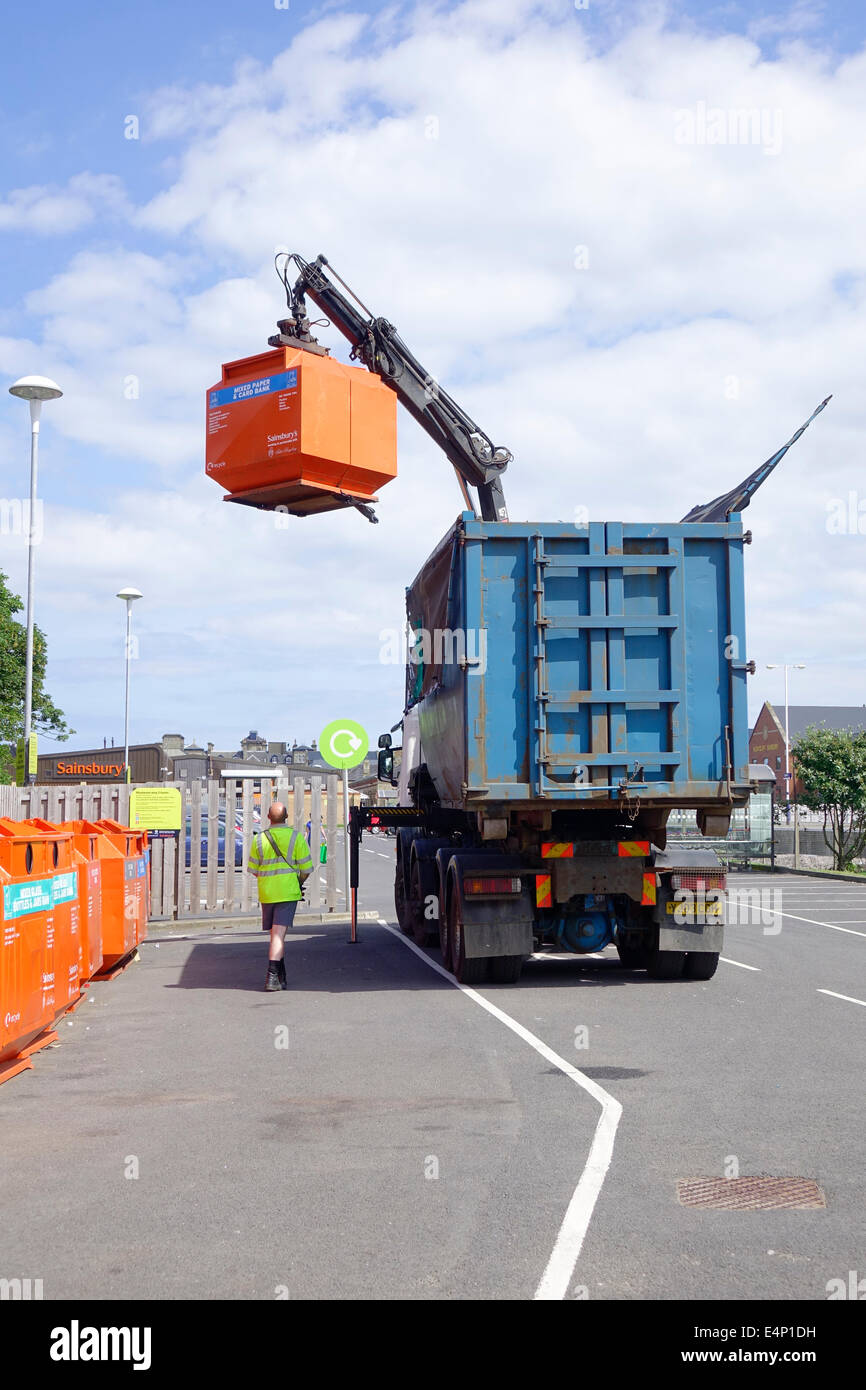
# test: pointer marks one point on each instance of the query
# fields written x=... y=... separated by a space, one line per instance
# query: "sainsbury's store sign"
x=65 y=769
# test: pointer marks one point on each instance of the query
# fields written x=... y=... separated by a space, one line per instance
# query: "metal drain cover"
x=750 y=1194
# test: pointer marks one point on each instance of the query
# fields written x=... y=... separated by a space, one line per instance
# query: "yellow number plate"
x=690 y=909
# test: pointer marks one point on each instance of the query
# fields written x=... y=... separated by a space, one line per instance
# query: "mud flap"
x=691 y=936
x=497 y=938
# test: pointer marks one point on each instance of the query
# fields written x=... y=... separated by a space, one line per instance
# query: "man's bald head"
x=277 y=813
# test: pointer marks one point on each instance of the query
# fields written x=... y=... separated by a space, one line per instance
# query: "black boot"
x=284 y=984
x=273 y=981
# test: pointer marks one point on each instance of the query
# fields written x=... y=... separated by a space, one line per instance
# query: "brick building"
x=767 y=739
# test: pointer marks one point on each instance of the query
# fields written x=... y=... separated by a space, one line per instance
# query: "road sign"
x=155 y=808
x=21 y=770
x=344 y=743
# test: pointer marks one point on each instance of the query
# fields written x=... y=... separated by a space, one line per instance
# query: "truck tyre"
x=505 y=970
x=401 y=904
x=632 y=957
x=445 y=933
x=701 y=965
x=468 y=972
x=421 y=929
x=665 y=965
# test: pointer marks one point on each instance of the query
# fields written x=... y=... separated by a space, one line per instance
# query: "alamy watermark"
x=847 y=516
x=729 y=125
x=440 y=646
x=741 y=907
x=15 y=519
x=20 y=1290
x=853 y=1287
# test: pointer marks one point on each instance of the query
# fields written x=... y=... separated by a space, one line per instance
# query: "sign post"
x=343 y=744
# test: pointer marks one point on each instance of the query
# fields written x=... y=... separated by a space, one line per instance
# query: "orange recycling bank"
x=289 y=428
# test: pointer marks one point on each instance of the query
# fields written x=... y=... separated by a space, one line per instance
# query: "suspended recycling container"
x=297 y=430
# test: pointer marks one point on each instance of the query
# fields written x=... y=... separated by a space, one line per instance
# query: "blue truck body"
x=587 y=653
x=567 y=687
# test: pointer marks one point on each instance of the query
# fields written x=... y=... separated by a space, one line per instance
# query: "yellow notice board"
x=155 y=808
x=21 y=759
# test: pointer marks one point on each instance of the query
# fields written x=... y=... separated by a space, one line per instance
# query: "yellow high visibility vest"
x=277 y=880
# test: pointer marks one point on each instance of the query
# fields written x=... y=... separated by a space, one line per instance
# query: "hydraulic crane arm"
x=477 y=461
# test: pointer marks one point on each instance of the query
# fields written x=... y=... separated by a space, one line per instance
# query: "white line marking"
x=815 y=923
x=846 y=997
x=569 y=956
x=572 y=1233
x=727 y=961
x=382 y=855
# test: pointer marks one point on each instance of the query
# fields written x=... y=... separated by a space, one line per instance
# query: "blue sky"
x=151 y=258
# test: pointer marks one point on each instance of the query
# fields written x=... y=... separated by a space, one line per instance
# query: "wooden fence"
x=187 y=878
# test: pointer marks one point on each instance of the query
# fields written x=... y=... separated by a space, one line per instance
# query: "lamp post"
x=34 y=389
x=787 y=666
x=129 y=596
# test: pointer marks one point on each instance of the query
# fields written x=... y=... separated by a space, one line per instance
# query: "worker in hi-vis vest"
x=280 y=861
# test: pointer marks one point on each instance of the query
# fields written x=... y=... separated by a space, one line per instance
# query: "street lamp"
x=34 y=389
x=787 y=666
x=129 y=596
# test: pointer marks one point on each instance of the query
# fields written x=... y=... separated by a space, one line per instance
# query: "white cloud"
x=59 y=211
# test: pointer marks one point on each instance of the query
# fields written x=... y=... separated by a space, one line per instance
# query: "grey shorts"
x=278 y=915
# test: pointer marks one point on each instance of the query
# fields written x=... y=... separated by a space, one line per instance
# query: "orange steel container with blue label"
x=133 y=846
x=299 y=431
x=27 y=986
x=89 y=870
x=63 y=921
x=142 y=851
x=118 y=904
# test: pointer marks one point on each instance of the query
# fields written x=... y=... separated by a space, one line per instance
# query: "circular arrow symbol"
x=344 y=743
x=352 y=739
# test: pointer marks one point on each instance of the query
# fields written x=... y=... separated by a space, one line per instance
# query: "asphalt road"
x=405 y=1142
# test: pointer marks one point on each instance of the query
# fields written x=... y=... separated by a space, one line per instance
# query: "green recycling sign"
x=344 y=743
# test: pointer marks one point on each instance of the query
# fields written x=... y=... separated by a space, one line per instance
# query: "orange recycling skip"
x=294 y=430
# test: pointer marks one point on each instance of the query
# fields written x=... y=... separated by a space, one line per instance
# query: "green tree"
x=47 y=718
x=831 y=768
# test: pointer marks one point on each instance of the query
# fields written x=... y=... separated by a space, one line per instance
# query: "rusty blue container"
x=593 y=664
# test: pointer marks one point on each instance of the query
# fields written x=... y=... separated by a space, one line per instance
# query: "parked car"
x=221 y=840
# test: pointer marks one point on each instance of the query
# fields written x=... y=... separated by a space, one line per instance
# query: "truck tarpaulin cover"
x=427 y=613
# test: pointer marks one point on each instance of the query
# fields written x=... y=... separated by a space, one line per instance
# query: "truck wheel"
x=421 y=930
x=665 y=965
x=505 y=970
x=401 y=905
x=701 y=965
x=632 y=957
x=445 y=935
x=468 y=972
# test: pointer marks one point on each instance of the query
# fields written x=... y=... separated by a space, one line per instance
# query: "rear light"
x=491 y=885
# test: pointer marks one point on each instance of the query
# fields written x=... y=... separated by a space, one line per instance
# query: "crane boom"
x=375 y=342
